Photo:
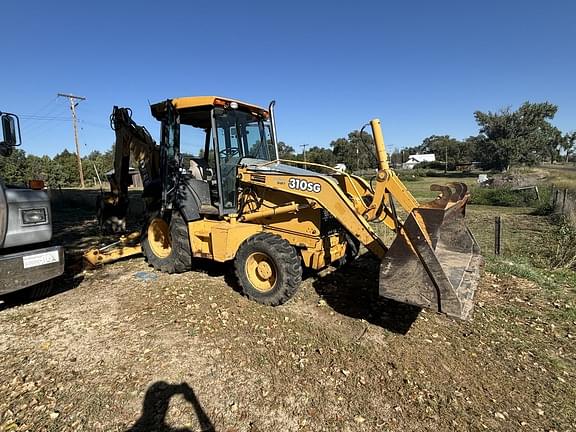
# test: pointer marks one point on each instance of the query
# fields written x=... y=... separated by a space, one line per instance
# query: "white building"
x=418 y=158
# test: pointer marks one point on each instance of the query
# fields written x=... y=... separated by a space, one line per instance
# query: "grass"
x=530 y=241
x=552 y=280
x=529 y=238
x=420 y=187
x=561 y=175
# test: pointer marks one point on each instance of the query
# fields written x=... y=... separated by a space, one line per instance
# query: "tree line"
x=59 y=171
x=505 y=138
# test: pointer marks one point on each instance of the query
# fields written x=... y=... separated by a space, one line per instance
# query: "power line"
x=46 y=106
x=46 y=118
x=94 y=124
x=38 y=127
x=33 y=125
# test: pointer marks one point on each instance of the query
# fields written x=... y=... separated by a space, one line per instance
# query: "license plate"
x=40 y=259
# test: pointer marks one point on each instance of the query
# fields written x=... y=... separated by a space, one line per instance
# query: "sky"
x=422 y=67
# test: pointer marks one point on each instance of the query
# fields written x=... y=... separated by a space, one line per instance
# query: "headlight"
x=34 y=216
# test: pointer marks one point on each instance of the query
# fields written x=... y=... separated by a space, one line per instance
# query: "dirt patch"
x=129 y=348
x=124 y=348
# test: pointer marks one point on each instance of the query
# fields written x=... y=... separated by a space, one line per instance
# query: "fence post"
x=564 y=200
x=497 y=234
x=554 y=197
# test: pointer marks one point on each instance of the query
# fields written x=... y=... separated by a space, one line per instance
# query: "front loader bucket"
x=434 y=262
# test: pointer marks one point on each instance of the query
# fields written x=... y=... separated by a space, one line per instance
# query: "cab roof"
x=195 y=110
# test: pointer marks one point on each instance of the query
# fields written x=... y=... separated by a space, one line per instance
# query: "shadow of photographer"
x=156 y=404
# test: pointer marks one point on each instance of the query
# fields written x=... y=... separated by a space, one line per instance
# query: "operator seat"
x=200 y=170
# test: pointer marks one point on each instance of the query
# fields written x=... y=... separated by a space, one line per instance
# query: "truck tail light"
x=36 y=184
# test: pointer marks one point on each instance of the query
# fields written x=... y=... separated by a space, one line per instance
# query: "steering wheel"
x=229 y=152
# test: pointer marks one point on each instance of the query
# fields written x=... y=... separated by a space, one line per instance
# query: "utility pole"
x=446 y=160
x=304 y=150
x=74 y=121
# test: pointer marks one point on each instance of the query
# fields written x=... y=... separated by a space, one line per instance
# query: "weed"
x=522 y=267
x=504 y=197
x=410 y=175
x=544 y=206
x=562 y=250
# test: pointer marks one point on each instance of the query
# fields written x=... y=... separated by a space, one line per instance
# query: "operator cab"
x=200 y=155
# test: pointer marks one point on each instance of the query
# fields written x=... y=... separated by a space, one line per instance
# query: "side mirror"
x=10 y=129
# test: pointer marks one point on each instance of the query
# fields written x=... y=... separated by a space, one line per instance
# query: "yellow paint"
x=261 y=271
x=381 y=154
x=271 y=212
x=158 y=233
x=199 y=101
x=326 y=252
x=330 y=197
x=125 y=247
x=219 y=239
x=271 y=203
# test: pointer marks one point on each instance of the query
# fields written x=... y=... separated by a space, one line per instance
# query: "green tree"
x=37 y=167
x=64 y=170
x=517 y=137
x=285 y=151
x=406 y=152
x=13 y=168
x=443 y=146
x=356 y=151
x=569 y=144
x=396 y=159
x=320 y=155
x=97 y=163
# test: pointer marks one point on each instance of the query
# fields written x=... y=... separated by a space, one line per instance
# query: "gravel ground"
x=124 y=348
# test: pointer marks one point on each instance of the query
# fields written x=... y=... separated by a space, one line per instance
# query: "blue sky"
x=422 y=67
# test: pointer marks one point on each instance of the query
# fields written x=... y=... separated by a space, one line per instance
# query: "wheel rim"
x=261 y=271
x=159 y=238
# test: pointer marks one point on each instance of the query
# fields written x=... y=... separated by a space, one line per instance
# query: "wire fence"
x=564 y=202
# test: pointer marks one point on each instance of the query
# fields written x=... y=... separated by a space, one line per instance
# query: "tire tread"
x=287 y=262
x=180 y=260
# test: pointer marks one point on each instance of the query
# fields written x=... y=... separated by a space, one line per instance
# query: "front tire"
x=166 y=245
x=268 y=269
x=352 y=251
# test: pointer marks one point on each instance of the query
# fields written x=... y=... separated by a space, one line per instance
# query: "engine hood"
x=271 y=167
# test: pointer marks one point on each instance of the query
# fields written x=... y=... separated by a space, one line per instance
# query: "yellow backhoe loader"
x=239 y=202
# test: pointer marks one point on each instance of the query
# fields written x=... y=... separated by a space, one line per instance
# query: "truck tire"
x=268 y=269
x=166 y=245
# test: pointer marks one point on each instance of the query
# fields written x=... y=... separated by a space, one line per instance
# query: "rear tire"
x=166 y=245
x=268 y=269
